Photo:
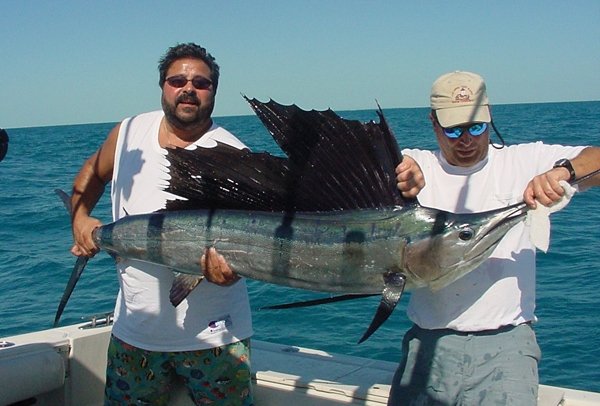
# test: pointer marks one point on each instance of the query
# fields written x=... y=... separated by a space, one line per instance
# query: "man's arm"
x=88 y=187
x=545 y=188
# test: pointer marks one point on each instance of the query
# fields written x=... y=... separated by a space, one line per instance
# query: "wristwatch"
x=565 y=163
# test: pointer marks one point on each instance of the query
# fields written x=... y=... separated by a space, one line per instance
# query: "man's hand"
x=216 y=269
x=409 y=177
x=82 y=236
x=545 y=188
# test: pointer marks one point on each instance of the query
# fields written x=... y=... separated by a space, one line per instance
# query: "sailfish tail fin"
x=75 y=275
x=77 y=269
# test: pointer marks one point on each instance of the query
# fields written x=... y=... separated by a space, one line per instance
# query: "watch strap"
x=565 y=163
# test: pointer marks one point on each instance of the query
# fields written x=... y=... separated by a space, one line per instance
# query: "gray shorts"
x=446 y=367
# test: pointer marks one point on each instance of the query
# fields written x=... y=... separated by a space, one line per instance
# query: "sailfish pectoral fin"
x=183 y=284
x=394 y=286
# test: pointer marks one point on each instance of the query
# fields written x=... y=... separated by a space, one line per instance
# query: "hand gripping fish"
x=327 y=216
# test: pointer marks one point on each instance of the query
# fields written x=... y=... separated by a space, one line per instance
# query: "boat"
x=65 y=366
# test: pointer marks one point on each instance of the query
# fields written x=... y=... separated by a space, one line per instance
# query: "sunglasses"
x=456 y=132
x=199 y=82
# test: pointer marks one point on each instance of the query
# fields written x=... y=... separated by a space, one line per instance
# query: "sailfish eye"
x=466 y=234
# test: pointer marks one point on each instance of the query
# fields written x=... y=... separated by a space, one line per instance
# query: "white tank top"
x=211 y=315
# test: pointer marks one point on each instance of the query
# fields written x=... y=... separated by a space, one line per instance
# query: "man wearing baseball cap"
x=472 y=342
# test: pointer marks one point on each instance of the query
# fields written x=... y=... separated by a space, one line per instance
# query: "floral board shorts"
x=218 y=376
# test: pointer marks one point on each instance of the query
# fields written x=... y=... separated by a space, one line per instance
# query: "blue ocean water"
x=35 y=238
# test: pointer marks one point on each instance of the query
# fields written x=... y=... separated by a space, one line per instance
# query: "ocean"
x=35 y=239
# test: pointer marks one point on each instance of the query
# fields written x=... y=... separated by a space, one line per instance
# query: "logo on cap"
x=462 y=94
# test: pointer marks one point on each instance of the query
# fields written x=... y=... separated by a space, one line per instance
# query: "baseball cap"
x=459 y=97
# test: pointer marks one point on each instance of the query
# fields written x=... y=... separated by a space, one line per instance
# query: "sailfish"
x=325 y=216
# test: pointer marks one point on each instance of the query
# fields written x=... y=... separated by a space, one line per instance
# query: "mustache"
x=187 y=98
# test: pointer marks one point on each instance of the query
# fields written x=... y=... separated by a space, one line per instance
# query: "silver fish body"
x=338 y=251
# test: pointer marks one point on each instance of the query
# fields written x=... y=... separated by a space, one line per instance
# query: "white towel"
x=539 y=219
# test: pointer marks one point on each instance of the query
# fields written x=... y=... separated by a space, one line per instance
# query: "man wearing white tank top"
x=205 y=340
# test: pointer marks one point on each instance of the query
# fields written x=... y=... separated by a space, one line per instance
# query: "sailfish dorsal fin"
x=331 y=163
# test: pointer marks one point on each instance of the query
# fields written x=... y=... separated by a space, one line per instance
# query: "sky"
x=89 y=61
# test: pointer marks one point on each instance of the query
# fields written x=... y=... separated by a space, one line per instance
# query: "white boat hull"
x=66 y=366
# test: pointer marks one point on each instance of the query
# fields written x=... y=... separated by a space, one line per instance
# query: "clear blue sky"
x=69 y=62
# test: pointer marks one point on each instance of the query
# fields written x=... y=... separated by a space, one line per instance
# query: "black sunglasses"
x=199 y=82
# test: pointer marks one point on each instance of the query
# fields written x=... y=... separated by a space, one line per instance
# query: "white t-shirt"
x=501 y=291
x=211 y=315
